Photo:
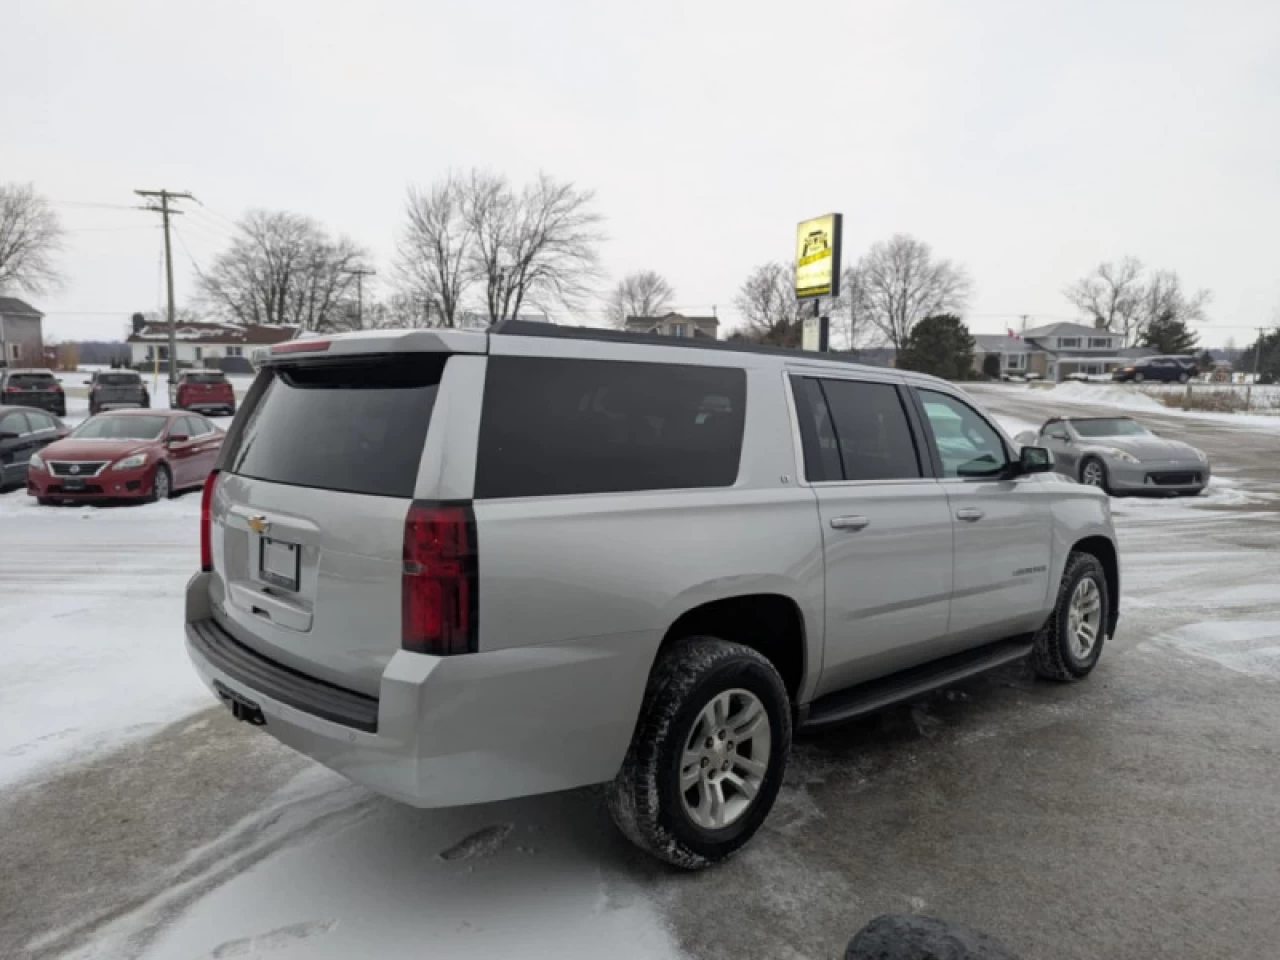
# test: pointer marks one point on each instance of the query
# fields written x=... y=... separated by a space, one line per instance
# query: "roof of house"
x=1002 y=343
x=263 y=334
x=1067 y=329
x=12 y=306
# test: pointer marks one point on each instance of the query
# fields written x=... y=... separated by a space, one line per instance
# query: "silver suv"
x=465 y=566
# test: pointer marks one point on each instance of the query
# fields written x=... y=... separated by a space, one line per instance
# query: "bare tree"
x=284 y=268
x=851 y=326
x=538 y=246
x=768 y=304
x=30 y=238
x=1112 y=297
x=902 y=283
x=642 y=294
x=1164 y=300
x=436 y=261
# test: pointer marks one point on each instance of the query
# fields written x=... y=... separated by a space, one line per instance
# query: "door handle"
x=972 y=514
x=850 y=523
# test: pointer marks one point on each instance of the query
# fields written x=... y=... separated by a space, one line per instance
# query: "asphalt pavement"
x=1132 y=815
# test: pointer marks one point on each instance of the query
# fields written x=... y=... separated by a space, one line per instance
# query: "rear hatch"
x=308 y=531
x=32 y=390
x=204 y=388
x=118 y=389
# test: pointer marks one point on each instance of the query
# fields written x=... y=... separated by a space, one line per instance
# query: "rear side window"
x=15 y=423
x=559 y=426
x=865 y=422
x=355 y=426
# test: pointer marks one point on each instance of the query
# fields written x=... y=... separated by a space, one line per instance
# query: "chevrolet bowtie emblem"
x=259 y=524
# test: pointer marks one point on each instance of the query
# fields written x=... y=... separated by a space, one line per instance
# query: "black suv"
x=1161 y=369
x=33 y=388
x=117 y=388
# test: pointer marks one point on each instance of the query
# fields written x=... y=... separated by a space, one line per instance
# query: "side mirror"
x=178 y=438
x=1034 y=460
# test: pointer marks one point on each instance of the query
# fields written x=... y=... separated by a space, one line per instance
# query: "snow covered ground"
x=1134 y=399
x=184 y=836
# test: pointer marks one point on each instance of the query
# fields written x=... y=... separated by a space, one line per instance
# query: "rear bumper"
x=444 y=731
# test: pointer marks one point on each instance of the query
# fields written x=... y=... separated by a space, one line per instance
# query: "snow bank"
x=1106 y=395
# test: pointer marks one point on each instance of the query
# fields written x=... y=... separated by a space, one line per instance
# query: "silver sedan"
x=1120 y=455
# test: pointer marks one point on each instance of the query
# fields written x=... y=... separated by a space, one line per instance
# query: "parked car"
x=465 y=566
x=126 y=455
x=112 y=389
x=1161 y=369
x=203 y=390
x=1120 y=455
x=24 y=431
x=33 y=388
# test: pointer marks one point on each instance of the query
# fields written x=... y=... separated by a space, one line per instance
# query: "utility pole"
x=360 y=273
x=165 y=213
x=1257 y=356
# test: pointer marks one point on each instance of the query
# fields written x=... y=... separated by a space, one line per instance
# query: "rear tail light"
x=12 y=389
x=206 y=521
x=439 y=583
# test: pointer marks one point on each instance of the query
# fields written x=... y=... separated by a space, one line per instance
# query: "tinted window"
x=41 y=380
x=872 y=430
x=205 y=378
x=119 y=379
x=357 y=426
x=967 y=445
x=1109 y=427
x=817 y=436
x=106 y=427
x=14 y=423
x=553 y=426
x=41 y=421
x=200 y=426
x=183 y=426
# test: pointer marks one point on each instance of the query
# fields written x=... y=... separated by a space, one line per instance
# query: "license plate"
x=69 y=484
x=279 y=563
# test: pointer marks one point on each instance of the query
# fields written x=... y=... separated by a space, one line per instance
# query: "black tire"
x=1105 y=484
x=168 y=476
x=1184 y=377
x=46 y=501
x=231 y=410
x=645 y=798
x=1055 y=656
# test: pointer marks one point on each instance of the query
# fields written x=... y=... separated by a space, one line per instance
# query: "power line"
x=166 y=212
x=100 y=206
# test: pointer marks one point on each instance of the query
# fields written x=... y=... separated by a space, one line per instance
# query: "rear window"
x=32 y=380
x=205 y=378
x=560 y=426
x=356 y=426
x=119 y=379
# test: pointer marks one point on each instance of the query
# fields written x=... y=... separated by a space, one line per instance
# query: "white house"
x=203 y=344
x=1057 y=350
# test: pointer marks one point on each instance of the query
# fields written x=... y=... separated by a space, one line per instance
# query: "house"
x=21 y=334
x=675 y=325
x=1055 y=351
x=201 y=344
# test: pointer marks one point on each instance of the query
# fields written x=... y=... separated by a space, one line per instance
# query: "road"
x=1132 y=815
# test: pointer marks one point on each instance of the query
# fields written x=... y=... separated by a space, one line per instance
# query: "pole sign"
x=818 y=257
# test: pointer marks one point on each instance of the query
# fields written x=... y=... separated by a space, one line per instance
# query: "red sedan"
x=126 y=455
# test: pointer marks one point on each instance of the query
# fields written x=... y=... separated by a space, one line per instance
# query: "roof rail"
x=529 y=328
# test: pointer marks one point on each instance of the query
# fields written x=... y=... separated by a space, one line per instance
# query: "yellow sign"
x=818 y=257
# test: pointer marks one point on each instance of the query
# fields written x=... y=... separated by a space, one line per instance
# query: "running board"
x=909 y=684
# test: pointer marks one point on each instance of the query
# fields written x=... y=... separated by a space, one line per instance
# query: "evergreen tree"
x=939 y=345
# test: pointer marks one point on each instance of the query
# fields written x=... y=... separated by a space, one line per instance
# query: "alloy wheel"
x=725 y=759
x=1093 y=474
x=1084 y=617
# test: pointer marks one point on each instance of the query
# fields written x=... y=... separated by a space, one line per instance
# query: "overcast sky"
x=1026 y=141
